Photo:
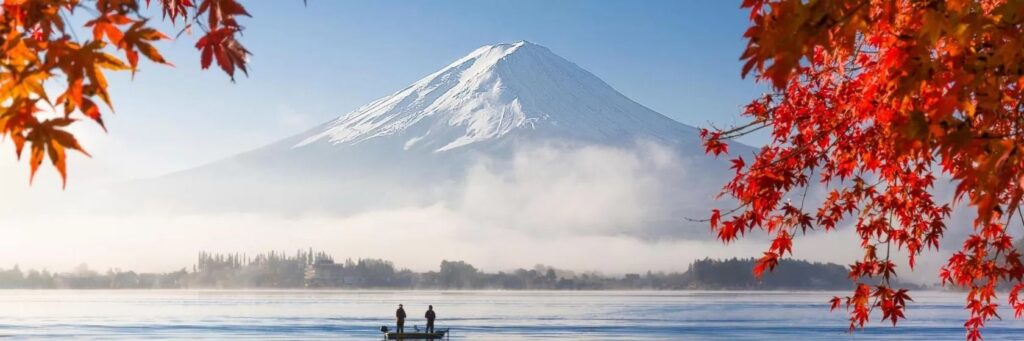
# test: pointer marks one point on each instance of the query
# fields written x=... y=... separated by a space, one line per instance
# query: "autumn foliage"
x=875 y=100
x=48 y=64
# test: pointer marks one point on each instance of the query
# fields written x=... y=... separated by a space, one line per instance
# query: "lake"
x=472 y=315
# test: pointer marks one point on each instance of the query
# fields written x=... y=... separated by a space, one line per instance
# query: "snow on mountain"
x=511 y=135
x=495 y=91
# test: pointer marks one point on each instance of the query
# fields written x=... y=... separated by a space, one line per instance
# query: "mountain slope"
x=496 y=91
x=508 y=131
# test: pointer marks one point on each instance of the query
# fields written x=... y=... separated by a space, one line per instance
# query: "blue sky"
x=313 y=63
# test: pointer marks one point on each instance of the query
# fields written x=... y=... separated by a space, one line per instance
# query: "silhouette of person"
x=430 y=318
x=400 y=320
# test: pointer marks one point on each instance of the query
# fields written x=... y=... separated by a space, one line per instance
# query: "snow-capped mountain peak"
x=509 y=125
x=492 y=92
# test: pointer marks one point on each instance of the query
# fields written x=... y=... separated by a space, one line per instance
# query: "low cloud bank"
x=610 y=209
x=417 y=238
x=555 y=190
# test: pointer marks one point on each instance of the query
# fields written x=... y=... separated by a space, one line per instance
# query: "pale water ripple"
x=472 y=315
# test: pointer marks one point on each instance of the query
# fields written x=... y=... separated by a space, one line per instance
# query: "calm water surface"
x=472 y=315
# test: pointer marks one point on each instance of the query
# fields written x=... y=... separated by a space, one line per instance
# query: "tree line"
x=293 y=270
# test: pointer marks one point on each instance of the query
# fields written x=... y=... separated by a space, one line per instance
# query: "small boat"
x=437 y=335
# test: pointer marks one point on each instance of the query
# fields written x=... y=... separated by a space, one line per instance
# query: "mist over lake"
x=471 y=315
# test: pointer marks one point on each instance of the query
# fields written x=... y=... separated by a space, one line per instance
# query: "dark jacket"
x=430 y=315
x=400 y=314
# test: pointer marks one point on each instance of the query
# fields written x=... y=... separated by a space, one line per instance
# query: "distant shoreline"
x=309 y=270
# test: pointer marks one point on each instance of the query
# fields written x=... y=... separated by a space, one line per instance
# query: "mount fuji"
x=507 y=113
x=496 y=93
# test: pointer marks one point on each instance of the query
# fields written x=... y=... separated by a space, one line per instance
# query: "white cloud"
x=554 y=190
x=611 y=209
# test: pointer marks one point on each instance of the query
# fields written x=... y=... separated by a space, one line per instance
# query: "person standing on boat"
x=430 y=318
x=400 y=320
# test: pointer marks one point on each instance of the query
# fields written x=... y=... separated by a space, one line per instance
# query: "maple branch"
x=744 y=133
x=888 y=246
x=70 y=28
x=737 y=131
x=800 y=148
x=806 y=187
x=726 y=214
x=1021 y=215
